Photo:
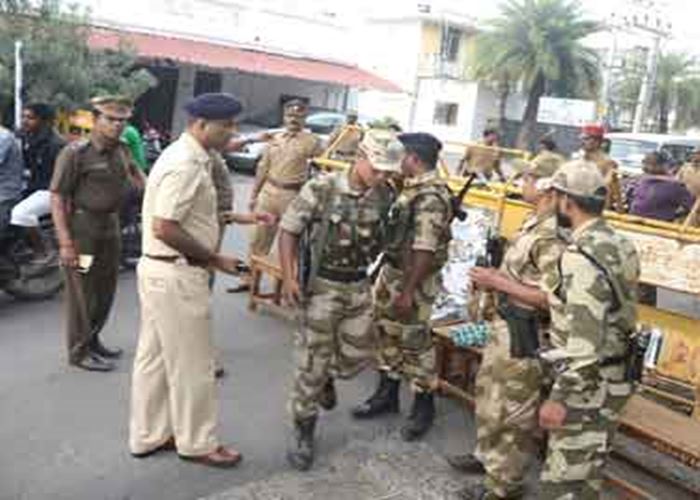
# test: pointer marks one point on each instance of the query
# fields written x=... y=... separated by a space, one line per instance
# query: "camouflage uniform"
x=593 y=307
x=419 y=220
x=508 y=386
x=548 y=158
x=337 y=339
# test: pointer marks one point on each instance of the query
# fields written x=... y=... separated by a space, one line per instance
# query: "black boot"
x=422 y=416
x=301 y=454
x=328 y=398
x=99 y=348
x=384 y=400
x=468 y=464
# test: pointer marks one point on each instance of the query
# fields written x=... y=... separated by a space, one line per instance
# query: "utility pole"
x=647 y=16
x=18 y=84
x=648 y=83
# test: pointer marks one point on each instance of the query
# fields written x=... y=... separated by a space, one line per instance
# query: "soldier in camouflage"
x=346 y=213
x=593 y=308
x=417 y=240
x=509 y=381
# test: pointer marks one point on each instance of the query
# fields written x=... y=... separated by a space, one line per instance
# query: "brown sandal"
x=222 y=458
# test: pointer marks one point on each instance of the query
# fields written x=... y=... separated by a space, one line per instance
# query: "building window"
x=445 y=113
x=449 y=46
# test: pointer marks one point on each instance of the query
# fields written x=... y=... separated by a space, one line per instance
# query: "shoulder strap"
x=614 y=285
x=322 y=236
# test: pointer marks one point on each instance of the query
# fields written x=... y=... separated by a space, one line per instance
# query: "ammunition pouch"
x=524 y=328
x=637 y=348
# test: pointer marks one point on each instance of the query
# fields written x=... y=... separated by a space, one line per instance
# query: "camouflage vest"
x=401 y=226
x=616 y=258
x=354 y=227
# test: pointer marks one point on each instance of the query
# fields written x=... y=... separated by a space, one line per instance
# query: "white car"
x=629 y=149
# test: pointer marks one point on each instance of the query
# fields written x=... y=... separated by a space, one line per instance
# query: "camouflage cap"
x=580 y=178
x=118 y=106
x=383 y=150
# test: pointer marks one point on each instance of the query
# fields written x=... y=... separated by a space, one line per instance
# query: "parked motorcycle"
x=23 y=277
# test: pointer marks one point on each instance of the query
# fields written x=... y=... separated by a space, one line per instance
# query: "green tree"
x=58 y=65
x=539 y=43
x=499 y=78
x=674 y=88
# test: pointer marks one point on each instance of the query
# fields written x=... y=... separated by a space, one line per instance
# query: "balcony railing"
x=437 y=66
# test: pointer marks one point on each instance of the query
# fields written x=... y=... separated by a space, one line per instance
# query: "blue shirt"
x=11 y=167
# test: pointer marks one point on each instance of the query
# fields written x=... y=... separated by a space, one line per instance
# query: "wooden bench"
x=259 y=267
x=455 y=366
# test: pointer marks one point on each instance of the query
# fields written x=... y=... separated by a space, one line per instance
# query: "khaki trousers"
x=173 y=392
x=89 y=296
x=275 y=201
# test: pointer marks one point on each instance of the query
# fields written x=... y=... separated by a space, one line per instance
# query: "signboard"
x=572 y=112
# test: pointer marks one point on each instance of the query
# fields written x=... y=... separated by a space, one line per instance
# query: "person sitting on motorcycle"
x=40 y=146
x=11 y=167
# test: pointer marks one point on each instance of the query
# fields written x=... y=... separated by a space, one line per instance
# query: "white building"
x=426 y=50
x=264 y=51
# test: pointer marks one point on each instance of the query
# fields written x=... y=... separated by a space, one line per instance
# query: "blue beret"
x=215 y=106
x=420 y=141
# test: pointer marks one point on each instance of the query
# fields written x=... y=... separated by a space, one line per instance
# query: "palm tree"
x=499 y=78
x=672 y=68
x=539 y=43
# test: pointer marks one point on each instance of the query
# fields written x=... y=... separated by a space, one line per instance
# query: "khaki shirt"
x=180 y=188
x=349 y=143
x=608 y=169
x=92 y=175
x=222 y=183
x=481 y=159
x=284 y=159
x=689 y=174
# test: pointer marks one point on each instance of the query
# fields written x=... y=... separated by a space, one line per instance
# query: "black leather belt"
x=175 y=258
x=342 y=276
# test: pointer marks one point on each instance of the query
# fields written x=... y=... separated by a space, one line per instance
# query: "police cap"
x=118 y=106
x=214 y=106
x=295 y=107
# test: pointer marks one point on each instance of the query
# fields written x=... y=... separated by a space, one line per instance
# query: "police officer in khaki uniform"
x=689 y=174
x=173 y=400
x=483 y=158
x=89 y=184
x=282 y=171
x=345 y=212
x=591 y=144
x=417 y=240
x=547 y=155
x=346 y=139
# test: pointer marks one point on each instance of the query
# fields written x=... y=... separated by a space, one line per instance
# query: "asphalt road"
x=63 y=432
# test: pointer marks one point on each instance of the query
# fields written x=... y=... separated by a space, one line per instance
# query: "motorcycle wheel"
x=39 y=287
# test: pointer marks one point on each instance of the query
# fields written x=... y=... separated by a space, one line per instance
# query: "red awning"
x=228 y=57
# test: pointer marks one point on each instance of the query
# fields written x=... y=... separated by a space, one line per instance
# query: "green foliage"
x=543 y=37
x=674 y=87
x=384 y=123
x=58 y=65
x=538 y=42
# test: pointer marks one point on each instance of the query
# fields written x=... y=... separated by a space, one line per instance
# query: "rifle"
x=457 y=213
